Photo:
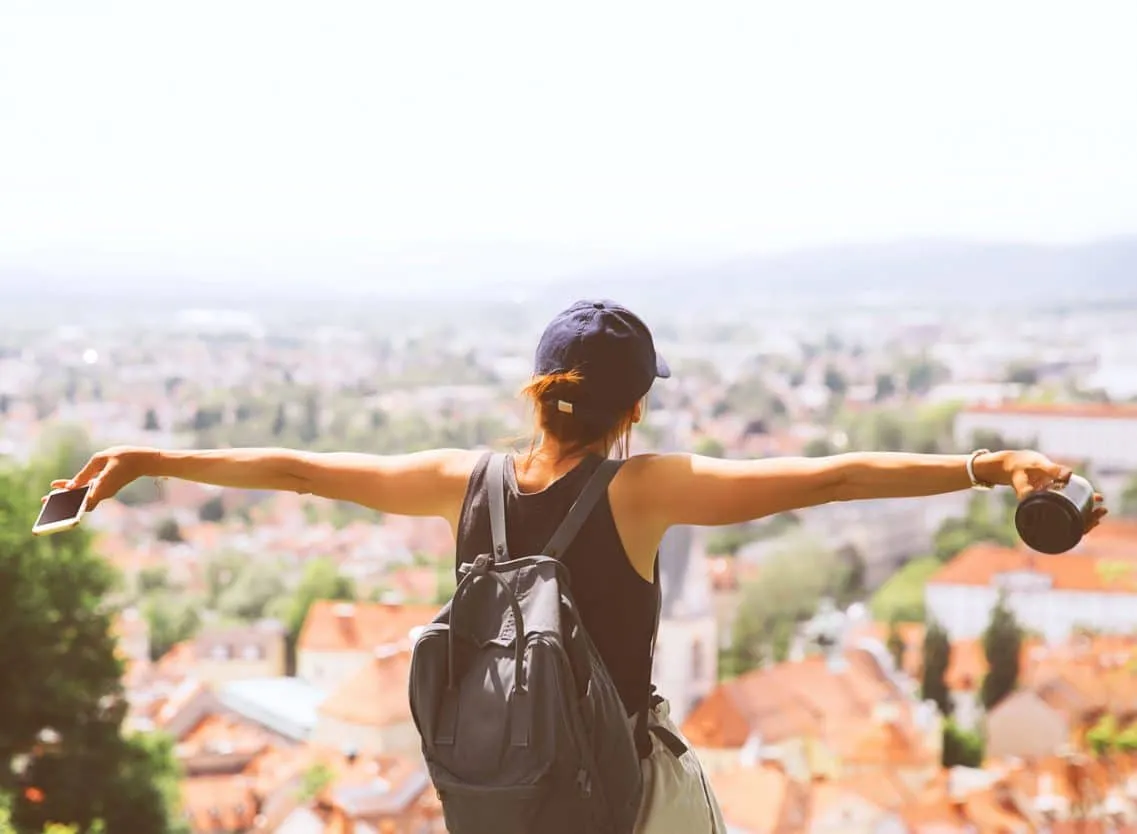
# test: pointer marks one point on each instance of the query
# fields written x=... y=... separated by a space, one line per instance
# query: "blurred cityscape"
x=879 y=666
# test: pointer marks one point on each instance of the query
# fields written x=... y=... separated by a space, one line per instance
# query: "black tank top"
x=616 y=604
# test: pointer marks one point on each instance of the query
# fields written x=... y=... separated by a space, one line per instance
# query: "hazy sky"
x=248 y=133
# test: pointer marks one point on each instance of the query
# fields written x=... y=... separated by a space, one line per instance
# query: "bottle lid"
x=1049 y=522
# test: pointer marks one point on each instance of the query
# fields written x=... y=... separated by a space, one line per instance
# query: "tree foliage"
x=787 y=591
x=987 y=520
x=962 y=748
x=1128 y=505
x=894 y=642
x=901 y=597
x=1002 y=645
x=319 y=581
x=61 y=716
x=937 y=657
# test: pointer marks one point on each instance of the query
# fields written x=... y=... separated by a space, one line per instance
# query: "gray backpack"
x=522 y=728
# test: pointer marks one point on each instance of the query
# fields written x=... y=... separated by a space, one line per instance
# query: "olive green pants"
x=677 y=799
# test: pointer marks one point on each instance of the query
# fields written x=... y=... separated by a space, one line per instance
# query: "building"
x=340 y=638
x=222 y=655
x=1103 y=435
x=1092 y=587
x=686 y=654
x=370 y=712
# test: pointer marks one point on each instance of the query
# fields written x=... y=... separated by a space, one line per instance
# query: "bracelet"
x=975 y=482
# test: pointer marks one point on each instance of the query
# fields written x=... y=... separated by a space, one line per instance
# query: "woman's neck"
x=551 y=459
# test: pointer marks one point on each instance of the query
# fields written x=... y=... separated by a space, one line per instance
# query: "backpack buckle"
x=481 y=565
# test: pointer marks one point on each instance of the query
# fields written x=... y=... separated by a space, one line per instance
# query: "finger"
x=1061 y=473
x=94 y=466
x=60 y=483
x=1020 y=480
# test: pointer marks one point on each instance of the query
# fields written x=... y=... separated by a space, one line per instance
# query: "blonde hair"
x=551 y=396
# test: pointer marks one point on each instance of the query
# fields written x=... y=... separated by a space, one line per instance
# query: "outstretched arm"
x=420 y=483
x=691 y=489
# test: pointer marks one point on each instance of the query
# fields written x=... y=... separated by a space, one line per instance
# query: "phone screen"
x=62 y=506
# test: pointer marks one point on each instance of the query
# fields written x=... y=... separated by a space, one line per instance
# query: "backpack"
x=522 y=729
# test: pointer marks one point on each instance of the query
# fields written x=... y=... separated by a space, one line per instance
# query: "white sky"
x=253 y=132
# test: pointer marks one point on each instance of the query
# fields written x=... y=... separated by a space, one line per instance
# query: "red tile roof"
x=980 y=564
x=359 y=626
x=1123 y=411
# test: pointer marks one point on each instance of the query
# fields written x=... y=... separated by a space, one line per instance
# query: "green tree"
x=961 y=748
x=221 y=571
x=1126 y=740
x=314 y=781
x=212 y=511
x=835 y=381
x=1002 y=645
x=1128 y=505
x=152 y=579
x=923 y=375
x=987 y=520
x=729 y=539
x=818 y=447
x=250 y=595
x=310 y=422
x=895 y=644
x=901 y=597
x=1103 y=736
x=885 y=387
x=171 y=618
x=446 y=584
x=786 y=593
x=1021 y=373
x=280 y=421
x=937 y=657
x=169 y=531
x=852 y=586
x=710 y=447
x=320 y=580
x=61 y=716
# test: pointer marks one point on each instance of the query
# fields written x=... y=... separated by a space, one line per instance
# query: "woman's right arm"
x=419 y=483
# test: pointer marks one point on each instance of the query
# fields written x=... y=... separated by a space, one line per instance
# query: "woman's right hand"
x=107 y=472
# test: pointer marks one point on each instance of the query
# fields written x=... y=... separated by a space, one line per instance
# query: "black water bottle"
x=1053 y=519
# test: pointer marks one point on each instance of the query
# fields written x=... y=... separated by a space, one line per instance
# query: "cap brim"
x=662 y=369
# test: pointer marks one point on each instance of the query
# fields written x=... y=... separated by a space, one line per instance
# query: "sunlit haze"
x=287 y=138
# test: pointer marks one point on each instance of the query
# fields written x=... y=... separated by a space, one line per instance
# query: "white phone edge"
x=65 y=524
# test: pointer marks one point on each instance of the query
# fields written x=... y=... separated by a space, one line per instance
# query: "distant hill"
x=931 y=271
x=927 y=271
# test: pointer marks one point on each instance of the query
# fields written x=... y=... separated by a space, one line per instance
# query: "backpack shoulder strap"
x=597 y=485
x=495 y=484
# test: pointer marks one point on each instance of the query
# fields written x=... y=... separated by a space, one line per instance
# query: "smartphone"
x=61 y=511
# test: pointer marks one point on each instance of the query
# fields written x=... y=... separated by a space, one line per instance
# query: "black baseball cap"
x=611 y=348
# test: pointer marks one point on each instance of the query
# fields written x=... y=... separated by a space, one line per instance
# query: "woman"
x=594 y=366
